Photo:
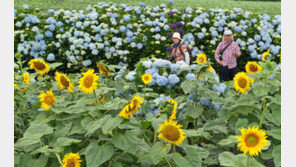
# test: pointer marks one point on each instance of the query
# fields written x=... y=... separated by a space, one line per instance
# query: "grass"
x=272 y=8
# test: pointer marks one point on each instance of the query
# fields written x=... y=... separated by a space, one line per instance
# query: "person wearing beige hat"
x=226 y=55
x=180 y=52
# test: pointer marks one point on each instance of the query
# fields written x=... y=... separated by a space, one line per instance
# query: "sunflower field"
x=92 y=88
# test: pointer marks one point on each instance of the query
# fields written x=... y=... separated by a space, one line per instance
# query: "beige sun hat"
x=177 y=35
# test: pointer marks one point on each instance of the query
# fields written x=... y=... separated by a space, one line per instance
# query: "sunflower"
x=23 y=89
x=252 y=140
x=201 y=58
x=210 y=68
x=171 y=131
x=47 y=99
x=132 y=107
x=265 y=56
x=253 y=67
x=39 y=65
x=71 y=160
x=15 y=85
x=89 y=81
x=146 y=78
x=63 y=81
x=26 y=78
x=173 y=102
x=102 y=69
x=101 y=100
x=242 y=82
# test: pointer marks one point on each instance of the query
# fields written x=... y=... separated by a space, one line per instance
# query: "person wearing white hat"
x=180 y=52
x=226 y=55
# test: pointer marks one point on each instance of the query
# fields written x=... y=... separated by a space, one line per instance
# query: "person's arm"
x=217 y=52
x=237 y=49
x=187 y=57
x=186 y=54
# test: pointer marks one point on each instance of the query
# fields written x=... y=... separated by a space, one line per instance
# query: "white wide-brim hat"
x=177 y=35
x=227 y=32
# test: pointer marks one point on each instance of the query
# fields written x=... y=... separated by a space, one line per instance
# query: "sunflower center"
x=146 y=78
x=71 y=163
x=242 y=82
x=102 y=68
x=253 y=68
x=251 y=140
x=131 y=108
x=48 y=99
x=88 y=80
x=201 y=59
x=64 y=81
x=39 y=65
x=171 y=133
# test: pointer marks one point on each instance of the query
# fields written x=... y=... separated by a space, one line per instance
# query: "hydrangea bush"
x=121 y=33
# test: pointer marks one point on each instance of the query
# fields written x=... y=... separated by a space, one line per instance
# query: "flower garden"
x=93 y=88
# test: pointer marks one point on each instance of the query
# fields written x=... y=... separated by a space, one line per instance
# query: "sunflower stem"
x=248 y=160
x=174 y=148
x=155 y=134
x=168 y=161
x=195 y=124
x=57 y=155
x=119 y=156
x=73 y=96
x=262 y=115
x=261 y=120
x=59 y=158
x=95 y=96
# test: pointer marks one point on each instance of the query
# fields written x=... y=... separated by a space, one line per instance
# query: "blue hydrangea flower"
x=139 y=45
x=214 y=33
x=200 y=35
x=51 y=27
x=131 y=75
x=86 y=62
x=122 y=29
x=50 y=57
x=171 y=2
x=126 y=18
x=39 y=37
x=173 y=79
x=237 y=29
x=142 y=4
x=254 y=54
x=147 y=64
x=161 y=80
x=191 y=76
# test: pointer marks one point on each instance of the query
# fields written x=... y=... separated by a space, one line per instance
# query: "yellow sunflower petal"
x=26 y=78
x=132 y=107
x=253 y=67
x=252 y=140
x=88 y=83
x=171 y=131
x=201 y=58
x=72 y=160
x=64 y=82
x=146 y=78
x=39 y=66
x=47 y=99
x=242 y=82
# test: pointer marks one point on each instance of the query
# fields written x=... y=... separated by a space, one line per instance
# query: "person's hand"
x=220 y=62
x=234 y=53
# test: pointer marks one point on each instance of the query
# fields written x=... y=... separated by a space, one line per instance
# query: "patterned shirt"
x=178 y=53
x=228 y=58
